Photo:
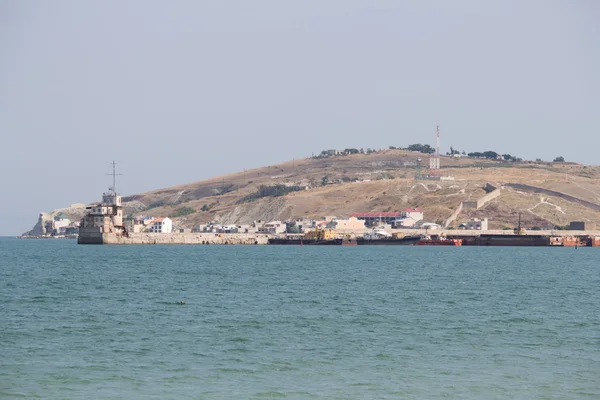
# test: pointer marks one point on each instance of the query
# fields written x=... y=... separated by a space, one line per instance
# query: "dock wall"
x=180 y=238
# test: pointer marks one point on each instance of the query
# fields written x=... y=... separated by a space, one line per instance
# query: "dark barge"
x=503 y=240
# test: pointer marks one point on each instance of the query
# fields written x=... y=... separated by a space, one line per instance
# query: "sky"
x=180 y=91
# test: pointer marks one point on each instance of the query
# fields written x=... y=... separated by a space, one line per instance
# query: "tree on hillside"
x=351 y=151
x=492 y=155
x=422 y=148
x=508 y=157
x=559 y=159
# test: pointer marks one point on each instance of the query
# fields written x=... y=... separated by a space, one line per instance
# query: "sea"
x=291 y=322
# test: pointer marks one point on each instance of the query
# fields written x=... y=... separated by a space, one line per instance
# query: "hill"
x=554 y=193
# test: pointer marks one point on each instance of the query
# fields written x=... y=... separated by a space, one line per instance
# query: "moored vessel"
x=441 y=240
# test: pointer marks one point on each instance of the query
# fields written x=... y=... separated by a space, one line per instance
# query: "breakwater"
x=471 y=238
x=175 y=238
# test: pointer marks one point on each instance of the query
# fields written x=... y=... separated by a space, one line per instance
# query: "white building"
x=273 y=227
x=162 y=225
x=416 y=214
x=228 y=229
x=61 y=221
x=430 y=226
x=477 y=224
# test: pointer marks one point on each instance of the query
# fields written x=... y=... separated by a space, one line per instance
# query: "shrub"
x=156 y=204
x=270 y=191
x=183 y=211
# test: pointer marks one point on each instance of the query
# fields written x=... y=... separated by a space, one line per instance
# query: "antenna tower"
x=114 y=176
x=434 y=162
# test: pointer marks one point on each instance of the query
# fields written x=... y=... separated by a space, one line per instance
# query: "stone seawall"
x=186 y=238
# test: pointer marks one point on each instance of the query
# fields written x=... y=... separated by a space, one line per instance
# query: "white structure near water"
x=162 y=225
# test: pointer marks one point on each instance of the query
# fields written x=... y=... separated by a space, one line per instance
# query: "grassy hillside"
x=382 y=181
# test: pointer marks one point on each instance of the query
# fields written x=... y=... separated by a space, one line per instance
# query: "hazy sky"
x=179 y=91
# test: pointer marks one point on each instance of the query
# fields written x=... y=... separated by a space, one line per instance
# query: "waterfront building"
x=582 y=226
x=477 y=224
x=273 y=227
x=60 y=222
x=416 y=214
x=375 y=218
x=351 y=224
x=104 y=217
x=162 y=225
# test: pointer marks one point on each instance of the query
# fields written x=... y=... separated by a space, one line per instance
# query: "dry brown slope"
x=391 y=188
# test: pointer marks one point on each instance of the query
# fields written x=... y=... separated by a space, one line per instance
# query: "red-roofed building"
x=162 y=225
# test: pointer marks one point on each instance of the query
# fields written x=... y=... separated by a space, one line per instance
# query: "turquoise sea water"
x=259 y=322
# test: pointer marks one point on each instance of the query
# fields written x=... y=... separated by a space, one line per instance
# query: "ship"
x=380 y=237
x=441 y=240
x=329 y=237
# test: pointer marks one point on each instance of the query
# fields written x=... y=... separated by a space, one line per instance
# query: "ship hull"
x=303 y=242
x=406 y=241
x=438 y=242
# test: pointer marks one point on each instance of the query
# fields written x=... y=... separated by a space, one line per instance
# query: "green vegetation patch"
x=181 y=212
x=270 y=191
x=156 y=204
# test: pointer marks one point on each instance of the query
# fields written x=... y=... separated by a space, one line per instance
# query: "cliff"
x=43 y=226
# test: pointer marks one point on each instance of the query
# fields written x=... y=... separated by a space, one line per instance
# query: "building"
x=582 y=226
x=162 y=225
x=405 y=223
x=430 y=226
x=147 y=220
x=273 y=227
x=351 y=224
x=477 y=224
x=228 y=229
x=415 y=214
x=105 y=217
x=409 y=218
x=133 y=225
x=60 y=222
x=376 y=218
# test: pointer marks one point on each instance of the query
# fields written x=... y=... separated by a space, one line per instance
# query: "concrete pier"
x=175 y=238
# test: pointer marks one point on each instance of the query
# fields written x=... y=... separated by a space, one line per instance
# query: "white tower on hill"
x=434 y=162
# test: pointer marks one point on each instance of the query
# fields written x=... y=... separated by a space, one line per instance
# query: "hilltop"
x=555 y=193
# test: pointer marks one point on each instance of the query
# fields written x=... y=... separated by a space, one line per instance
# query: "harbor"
x=104 y=223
